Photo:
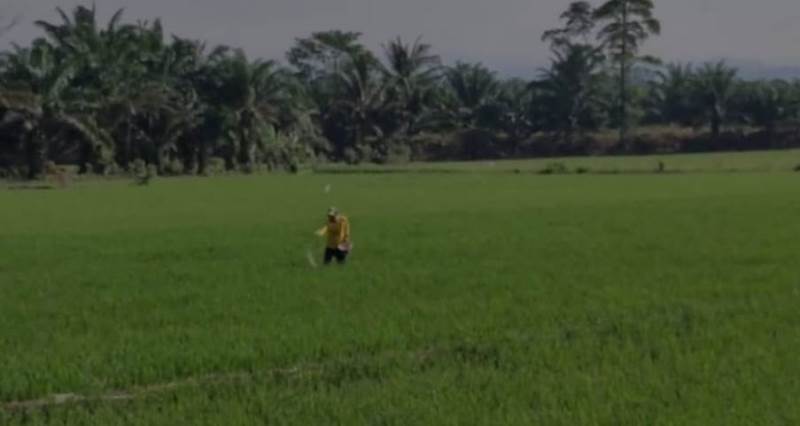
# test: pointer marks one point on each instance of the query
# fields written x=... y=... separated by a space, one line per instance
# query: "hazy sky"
x=501 y=33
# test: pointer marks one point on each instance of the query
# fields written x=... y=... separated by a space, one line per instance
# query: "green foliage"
x=671 y=98
x=488 y=298
x=766 y=104
x=103 y=96
x=568 y=94
x=469 y=98
x=555 y=168
x=412 y=73
x=123 y=93
x=628 y=23
x=216 y=166
x=579 y=23
x=715 y=85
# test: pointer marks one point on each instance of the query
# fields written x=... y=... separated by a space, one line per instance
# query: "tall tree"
x=323 y=54
x=569 y=91
x=517 y=118
x=318 y=62
x=101 y=59
x=252 y=94
x=767 y=104
x=39 y=87
x=363 y=98
x=670 y=95
x=471 y=94
x=579 y=23
x=714 y=87
x=628 y=23
x=412 y=72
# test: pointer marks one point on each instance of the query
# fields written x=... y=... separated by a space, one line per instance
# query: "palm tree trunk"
x=85 y=157
x=190 y=161
x=623 y=82
x=202 y=158
x=771 y=129
x=357 y=134
x=623 y=105
x=126 y=157
x=715 y=125
x=159 y=161
x=230 y=155
x=36 y=154
x=245 y=155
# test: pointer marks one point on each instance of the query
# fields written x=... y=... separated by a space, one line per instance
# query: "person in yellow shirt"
x=337 y=233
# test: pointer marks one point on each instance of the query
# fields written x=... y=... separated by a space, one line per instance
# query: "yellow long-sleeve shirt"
x=337 y=232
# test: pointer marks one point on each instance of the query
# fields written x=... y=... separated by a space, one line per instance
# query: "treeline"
x=122 y=97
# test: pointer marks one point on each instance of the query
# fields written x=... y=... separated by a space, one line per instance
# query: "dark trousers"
x=332 y=253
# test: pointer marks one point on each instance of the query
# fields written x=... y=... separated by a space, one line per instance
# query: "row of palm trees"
x=680 y=94
x=123 y=96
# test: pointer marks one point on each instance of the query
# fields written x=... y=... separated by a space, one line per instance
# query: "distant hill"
x=754 y=70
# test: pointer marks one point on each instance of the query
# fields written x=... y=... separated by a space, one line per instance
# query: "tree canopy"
x=124 y=97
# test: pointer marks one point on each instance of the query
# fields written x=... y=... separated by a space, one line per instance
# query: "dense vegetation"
x=125 y=97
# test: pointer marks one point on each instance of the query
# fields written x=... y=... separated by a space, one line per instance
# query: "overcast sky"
x=504 y=34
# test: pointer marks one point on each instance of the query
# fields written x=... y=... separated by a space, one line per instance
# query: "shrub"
x=215 y=166
x=138 y=167
x=556 y=168
x=394 y=153
x=350 y=156
x=366 y=154
x=174 y=167
x=289 y=154
x=112 y=169
x=50 y=168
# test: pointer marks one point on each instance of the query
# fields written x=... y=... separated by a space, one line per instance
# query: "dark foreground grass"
x=470 y=299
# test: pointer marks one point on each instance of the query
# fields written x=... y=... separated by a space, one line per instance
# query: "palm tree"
x=318 y=62
x=362 y=97
x=628 y=24
x=150 y=102
x=133 y=94
x=298 y=117
x=77 y=40
x=412 y=72
x=568 y=92
x=103 y=56
x=767 y=104
x=472 y=91
x=670 y=95
x=251 y=95
x=39 y=87
x=516 y=111
x=714 y=87
x=323 y=54
x=123 y=67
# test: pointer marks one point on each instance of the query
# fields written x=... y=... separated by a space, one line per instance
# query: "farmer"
x=337 y=231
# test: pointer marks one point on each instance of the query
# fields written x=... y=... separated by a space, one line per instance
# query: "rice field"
x=470 y=298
